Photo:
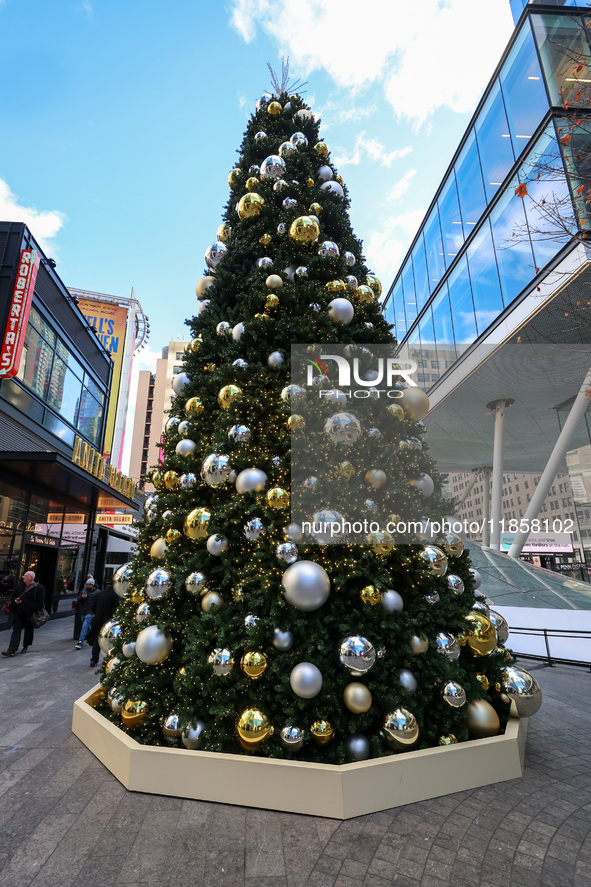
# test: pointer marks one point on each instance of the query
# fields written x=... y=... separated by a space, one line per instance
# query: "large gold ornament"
x=375 y=284
x=415 y=403
x=481 y=636
x=194 y=406
x=336 y=286
x=274 y=109
x=481 y=719
x=196 y=525
x=321 y=148
x=224 y=232
x=172 y=535
x=134 y=712
x=357 y=697
x=304 y=230
x=250 y=206
x=371 y=595
x=296 y=423
x=419 y=644
x=253 y=727
x=277 y=498
x=202 y=287
x=234 y=177
x=365 y=294
x=254 y=664
x=252 y=183
x=158 y=548
x=227 y=396
x=322 y=731
x=171 y=480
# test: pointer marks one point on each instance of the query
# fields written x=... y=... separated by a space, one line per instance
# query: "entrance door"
x=43 y=562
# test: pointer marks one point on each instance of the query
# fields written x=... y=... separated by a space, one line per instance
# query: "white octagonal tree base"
x=338 y=792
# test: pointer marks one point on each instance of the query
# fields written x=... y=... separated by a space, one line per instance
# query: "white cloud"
x=401 y=186
x=44 y=224
x=373 y=149
x=442 y=55
x=385 y=248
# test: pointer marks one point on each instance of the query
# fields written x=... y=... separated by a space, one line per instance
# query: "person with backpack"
x=27 y=598
x=85 y=602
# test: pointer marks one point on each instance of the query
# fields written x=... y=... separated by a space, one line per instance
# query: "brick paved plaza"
x=66 y=821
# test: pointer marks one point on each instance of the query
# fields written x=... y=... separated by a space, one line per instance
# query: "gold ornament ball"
x=171 y=480
x=418 y=644
x=403 y=445
x=481 y=636
x=274 y=282
x=194 y=406
x=211 y=599
x=321 y=149
x=196 y=344
x=482 y=720
x=345 y=469
x=136 y=595
x=322 y=732
x=484 y=681
x=227 y=395
x=158 y=549
x=254 y=664
x=196 y=525
x=250 y=205
x=277 y=498
x=134 y=712
x=415 y=404
x=365 y=294
x=252 y=183
x=382 y=543
x=274 y=109
x=234 y=177
x=261 y=317
x=338 y=178
x=357 y=697
x=450 y=739
x=336 y=286
x=375 y=284
x=202 y=287
x=272 y=301
x=296 y=423
x=371 y=595
x=157 y=479
x=376 y=478
x=173 y=536
x=310 y=183
x=253 y=727
x=224 y=232
x=304 y=230
x=265 y=239
x=396 y=411
x=315 y=209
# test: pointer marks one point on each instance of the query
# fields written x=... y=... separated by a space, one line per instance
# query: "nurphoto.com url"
x=339 y=528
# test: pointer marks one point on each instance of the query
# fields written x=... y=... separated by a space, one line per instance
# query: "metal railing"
x=548 y=634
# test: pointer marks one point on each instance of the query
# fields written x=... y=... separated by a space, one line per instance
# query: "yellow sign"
x=110 y=323
x=69 y=518
x=90 y=460
x=113 y=519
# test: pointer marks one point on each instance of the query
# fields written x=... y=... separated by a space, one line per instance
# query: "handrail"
x=547 y=633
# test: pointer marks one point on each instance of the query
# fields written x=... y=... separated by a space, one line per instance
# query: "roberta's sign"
x=90 y=460
x=18 y=314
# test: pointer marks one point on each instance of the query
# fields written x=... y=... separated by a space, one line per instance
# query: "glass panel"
x=13 y=507
x=414 y=353
x=517 y=7
x=59 y=428
x=576 y=153
x=451 y=221
x=434 y=249
x=410 y=299
x=64 y=392
x=566 y=58
x=35 y=366
x=419 y=263
x=515 y=259
x=68 y=359
x=90 y=416
x=46 y=517
x=23 y=401
x=444 y=331
x=470 y=185
x=486 y=290
x=389 y=312
x=11 y=545
x=523 y=90
x=494 y=142
x=399 y=312
x=93 y=388
x=462 y=308
x=44 y=328
x=428 y=348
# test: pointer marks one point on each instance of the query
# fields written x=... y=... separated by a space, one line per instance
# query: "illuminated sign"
x=90 y=460
x=18 y=314
x=110 y=323
x=112 y=519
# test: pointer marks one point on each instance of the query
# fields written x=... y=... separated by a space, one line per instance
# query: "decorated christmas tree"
x=292 y=595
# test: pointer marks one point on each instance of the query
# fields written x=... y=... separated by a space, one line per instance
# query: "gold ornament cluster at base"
x=328 y=790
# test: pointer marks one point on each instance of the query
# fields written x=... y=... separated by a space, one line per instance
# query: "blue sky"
x=120 y=121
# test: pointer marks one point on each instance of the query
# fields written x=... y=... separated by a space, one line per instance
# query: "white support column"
x=577 y=411
x=486 y=509
x=499 y=406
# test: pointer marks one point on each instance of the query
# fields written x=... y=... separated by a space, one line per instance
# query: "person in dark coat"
x=105 y=604
x=27 y=598
x=85 y=604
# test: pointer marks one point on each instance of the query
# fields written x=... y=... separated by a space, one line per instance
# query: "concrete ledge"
x=300 y=786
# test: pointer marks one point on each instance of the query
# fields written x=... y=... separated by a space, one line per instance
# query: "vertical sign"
x=110 y=322
x=13 y=337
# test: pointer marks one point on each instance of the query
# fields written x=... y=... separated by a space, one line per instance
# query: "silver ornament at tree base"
x=216 y=469
x=307 y=586
x=152 y=645
x=239 y=434
x=122 y=575
x=523 y=690
x=282 y=640
x=251 y=480
x=292 y=738
x=447 y=645
x=254 y=529
x=401 y=730
x=500 y=625
x=392 y=602
x=357 y=747
x=343 y=428
x=286 y=552
x=306 y=680
x=357 y=654
x=454 y=694
x=171 y=729
x=157 y=583
x=191 y=734
x=195 y=583
x=116 y=700
x=217 y=544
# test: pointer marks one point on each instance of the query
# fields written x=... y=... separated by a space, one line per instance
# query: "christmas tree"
x=273 y=607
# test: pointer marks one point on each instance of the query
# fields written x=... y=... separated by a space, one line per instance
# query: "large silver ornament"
x=185 y=447
x=221 y=661
x=195 y=583
x=306 y=680
x=214 y=253
x=108 y=633
x=341 y=311
x=523 y=690
x=180 y=381
x=157 y=583
x=286 y=552
x=272 y=167
x=357 y=654
x=251 y=480
x=454 y=694
x=122 y=575
x=401 y=729
x=447 y=645
x=500 y=624
x=275 y=359
x=254 y=529
x=328 y=250
x=343 y=428
x=216 y=469
x=392 y=602
x=455 y=584
x=152 y=645
x=299 y=140
x=217 y=544
x=325 y=173
x=333 y=187
x=191 y=734
x=306 y=585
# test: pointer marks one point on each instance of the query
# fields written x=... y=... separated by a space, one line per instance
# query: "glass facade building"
x=481 y=246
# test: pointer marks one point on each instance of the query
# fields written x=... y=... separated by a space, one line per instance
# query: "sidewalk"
x=66 y=821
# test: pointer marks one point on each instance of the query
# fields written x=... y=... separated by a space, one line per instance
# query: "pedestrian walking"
x=85 y=603
x=26 y=599
x=105 y=604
